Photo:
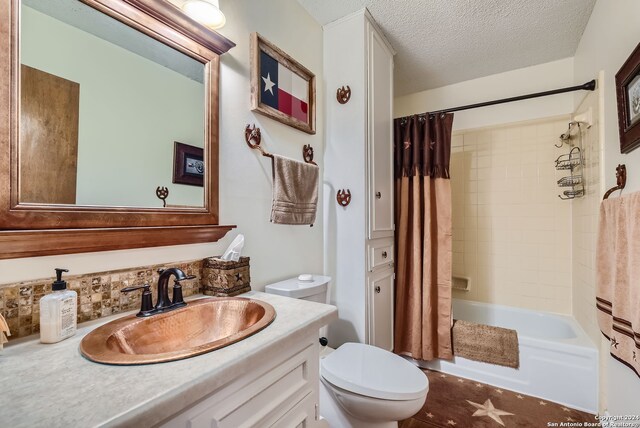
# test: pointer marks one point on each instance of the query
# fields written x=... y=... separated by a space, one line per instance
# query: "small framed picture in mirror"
x=188 y=165
x=628 y=94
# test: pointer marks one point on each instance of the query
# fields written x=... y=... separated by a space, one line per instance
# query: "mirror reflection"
x=108 y=115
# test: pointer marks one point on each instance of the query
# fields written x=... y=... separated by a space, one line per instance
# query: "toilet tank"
x=315 y=290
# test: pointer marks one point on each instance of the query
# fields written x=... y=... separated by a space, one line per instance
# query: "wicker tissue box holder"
x=225 y=278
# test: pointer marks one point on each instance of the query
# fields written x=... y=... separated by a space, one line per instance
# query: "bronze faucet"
x=163 y=304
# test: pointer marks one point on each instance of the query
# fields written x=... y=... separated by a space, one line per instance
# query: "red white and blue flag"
x=282 y=89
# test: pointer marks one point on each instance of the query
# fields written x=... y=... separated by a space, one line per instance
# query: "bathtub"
x=558 y=362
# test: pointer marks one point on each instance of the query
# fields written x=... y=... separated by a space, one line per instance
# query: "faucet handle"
x=146 y=306
x=140 y=287
x=178 y=300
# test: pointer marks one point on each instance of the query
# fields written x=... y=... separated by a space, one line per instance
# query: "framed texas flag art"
x=281 y=87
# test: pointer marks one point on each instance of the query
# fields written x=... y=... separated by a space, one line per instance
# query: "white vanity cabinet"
x=282 y=392
x=359 y=252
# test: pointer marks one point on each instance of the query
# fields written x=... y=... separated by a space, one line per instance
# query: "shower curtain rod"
x=589 y=86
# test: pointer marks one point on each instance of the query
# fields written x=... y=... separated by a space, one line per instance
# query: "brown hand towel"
x=295 y=191
x=618 y=277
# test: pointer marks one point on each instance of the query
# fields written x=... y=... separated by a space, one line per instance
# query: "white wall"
x=277 y=251
x=537 y=78
x=611 y=35
x=131 y=112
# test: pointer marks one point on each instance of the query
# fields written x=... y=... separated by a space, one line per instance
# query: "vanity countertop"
x=53 y=385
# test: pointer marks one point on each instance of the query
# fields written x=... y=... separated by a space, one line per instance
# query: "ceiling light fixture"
x=206 y=12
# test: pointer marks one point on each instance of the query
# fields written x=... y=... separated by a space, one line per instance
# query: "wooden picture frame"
x=188 y=164
x=628 y=94
x=281 y=87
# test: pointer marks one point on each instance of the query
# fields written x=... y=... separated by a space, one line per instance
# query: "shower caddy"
x=572 y=162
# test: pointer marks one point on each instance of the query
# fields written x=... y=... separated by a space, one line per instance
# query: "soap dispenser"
x=58 y=312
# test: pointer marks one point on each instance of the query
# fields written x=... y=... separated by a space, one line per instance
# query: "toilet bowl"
x=365 y=386
x=361 y=386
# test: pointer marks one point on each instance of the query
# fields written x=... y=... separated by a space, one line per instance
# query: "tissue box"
x=226 y=278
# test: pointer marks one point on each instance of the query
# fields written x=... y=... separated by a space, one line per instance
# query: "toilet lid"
x=373 y=372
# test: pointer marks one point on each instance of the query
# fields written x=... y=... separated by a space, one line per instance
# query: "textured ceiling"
x=440 y=42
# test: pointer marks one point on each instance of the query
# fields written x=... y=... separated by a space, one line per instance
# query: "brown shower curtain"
x=422 y=148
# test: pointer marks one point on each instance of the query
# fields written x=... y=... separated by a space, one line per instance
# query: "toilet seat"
x=373 y=372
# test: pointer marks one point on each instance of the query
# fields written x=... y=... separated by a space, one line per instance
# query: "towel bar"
x=621 y=180
x=253 y=133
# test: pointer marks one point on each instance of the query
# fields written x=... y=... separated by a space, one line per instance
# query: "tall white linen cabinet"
x=359 y=253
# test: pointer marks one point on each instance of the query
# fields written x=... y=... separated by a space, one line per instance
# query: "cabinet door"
x=380 y=313
x=303 y=415
x=380 y=137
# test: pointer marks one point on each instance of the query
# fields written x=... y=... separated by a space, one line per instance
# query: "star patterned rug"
x=455 y=402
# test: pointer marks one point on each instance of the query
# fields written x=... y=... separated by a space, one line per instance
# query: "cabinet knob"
x=377 y=289
x=384 y=254
x=378 y=195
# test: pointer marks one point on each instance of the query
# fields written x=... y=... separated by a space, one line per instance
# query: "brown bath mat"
x=486 y=343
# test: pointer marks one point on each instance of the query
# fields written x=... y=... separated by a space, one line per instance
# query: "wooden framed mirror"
x=94 y=94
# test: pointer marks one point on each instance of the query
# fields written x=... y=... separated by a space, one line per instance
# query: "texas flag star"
x=268 y=83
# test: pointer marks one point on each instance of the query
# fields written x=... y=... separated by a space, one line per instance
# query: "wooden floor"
x=462 y=403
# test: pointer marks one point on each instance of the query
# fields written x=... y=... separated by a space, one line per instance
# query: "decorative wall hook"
x=162 y=193
x=307 y=154
x=621 y=180
x=343 y=197
x=343 y=95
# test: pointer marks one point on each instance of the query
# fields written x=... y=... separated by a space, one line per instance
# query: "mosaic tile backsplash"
x=98 y=294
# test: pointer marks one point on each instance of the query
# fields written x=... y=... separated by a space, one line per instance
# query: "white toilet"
x=360 y=385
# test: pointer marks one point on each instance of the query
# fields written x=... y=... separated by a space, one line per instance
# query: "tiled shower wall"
x=511 y=232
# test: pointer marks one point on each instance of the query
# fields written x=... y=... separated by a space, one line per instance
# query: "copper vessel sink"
x=203 y=326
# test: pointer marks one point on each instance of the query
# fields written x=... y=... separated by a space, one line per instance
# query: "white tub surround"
x=558 y=361
x=53 y=384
